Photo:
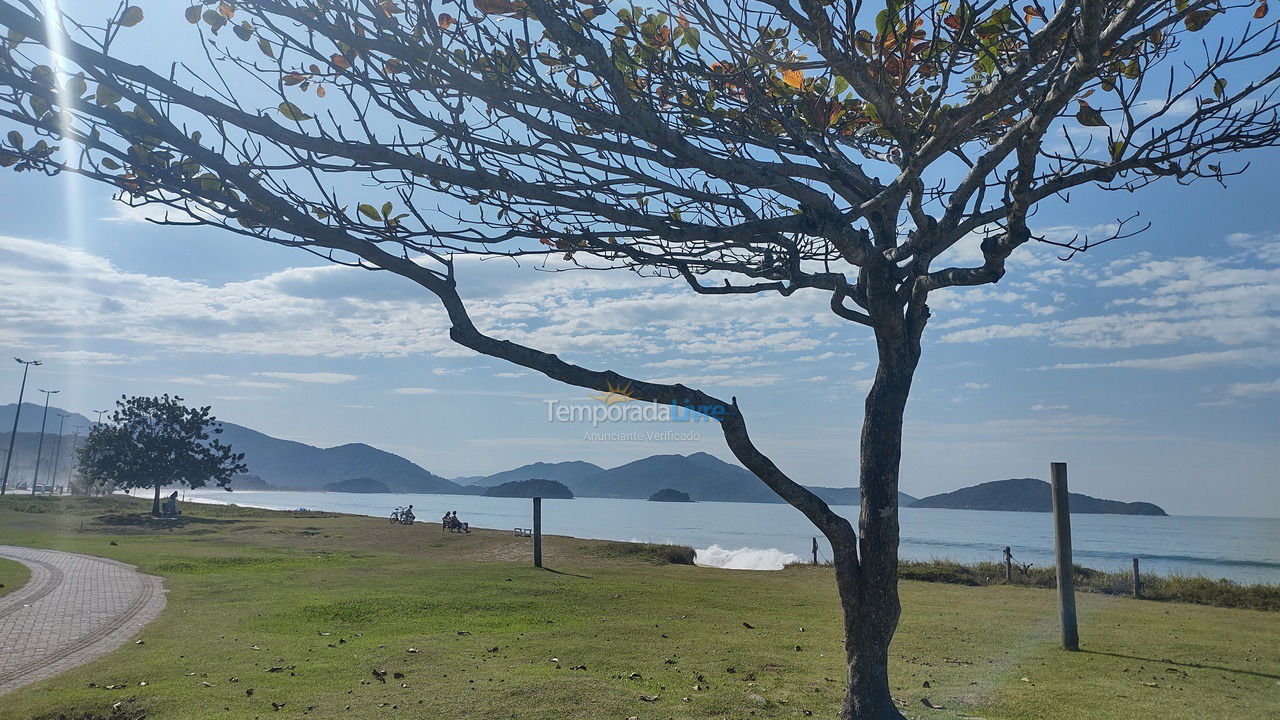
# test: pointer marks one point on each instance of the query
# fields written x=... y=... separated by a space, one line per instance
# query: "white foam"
x=745 y=558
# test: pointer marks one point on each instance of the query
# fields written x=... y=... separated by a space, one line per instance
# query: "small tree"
x=157 y=441
x=785 y=147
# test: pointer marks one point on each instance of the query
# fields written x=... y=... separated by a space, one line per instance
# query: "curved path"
x=75 y=608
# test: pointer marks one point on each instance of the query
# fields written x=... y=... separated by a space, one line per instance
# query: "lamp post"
x=40 y=446
x=8 y=458
x=57 y=453
x=75 y=454
x=100 y=414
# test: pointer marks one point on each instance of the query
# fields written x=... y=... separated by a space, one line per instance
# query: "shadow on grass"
x=134 y=522
x=566 y=574
x=1197 y=666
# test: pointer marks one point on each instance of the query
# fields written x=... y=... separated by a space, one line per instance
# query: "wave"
x=745 y=558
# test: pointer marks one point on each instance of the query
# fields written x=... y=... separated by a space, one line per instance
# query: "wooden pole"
x=1137 y=580
x=815 y=551
x=537 y=532
x=1066 y=572
x=1008 y=565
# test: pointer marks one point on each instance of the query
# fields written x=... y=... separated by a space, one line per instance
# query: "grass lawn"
x=311 y=609
x=13 y=575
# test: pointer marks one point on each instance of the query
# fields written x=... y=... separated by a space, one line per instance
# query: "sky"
x=1151 y=365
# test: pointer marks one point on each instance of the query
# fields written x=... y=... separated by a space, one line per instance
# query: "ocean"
x=754 y=536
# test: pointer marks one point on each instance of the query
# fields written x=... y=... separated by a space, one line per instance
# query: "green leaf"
x=107 y=95
x=265 y=47
x=15 y=139
x=193 y=14
x=1219 y=88
x=77 y=86
x=386 y=210
x=292 y=112
x=244 y=30
x=1089 y=117
x=132 y=16
x=692 y=38
x=109 y=164
x=369 y=211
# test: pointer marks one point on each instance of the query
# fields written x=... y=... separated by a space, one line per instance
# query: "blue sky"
x=1151 y=365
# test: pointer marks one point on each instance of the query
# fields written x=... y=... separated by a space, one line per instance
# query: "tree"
x=154 y=442
x=743 y=146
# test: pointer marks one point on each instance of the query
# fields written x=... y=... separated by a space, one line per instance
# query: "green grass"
x=303 y=608
x=13 y=575
x=1170 y=588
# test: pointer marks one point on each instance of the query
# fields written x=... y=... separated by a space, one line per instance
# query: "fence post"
x=1008 y=565
x=815 y=551
x=1066 y=571
x=537 y=532
x=1137 y=580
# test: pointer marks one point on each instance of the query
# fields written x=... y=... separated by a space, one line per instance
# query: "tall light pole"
x=8 y=458
x=40 y=447
x=100 y=414
x=75 y=453
x=57 y=453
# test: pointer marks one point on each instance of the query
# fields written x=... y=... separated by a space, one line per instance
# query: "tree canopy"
x=155 y=442
x=739 y=146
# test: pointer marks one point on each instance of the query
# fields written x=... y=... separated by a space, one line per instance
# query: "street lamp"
x=17 y=413
x=40 y=446
x=100 y=414
x=75 y=454
x=57 y=453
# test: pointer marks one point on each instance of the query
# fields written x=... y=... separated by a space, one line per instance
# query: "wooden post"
x=1066 y=572
x=1137 y=580
x=537 y=532
x=815 y=551
x=1008 y=565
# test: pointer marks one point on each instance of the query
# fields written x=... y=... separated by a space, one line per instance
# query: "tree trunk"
x=868 y=583
x=155 y=503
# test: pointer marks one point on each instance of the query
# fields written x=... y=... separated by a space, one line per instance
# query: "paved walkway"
x=75 y=608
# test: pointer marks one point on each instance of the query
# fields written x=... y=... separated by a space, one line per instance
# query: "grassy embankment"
x=13 y=575
x=310 y=609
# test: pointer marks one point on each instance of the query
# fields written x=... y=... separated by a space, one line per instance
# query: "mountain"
x=669 y=495
x=356 y=485
x=851 y=496
x=535 y=487
x=1030 y=495
x=23 y=467
x=704 y=477
x=569 y=473
x=29 y=422
x=290 y=465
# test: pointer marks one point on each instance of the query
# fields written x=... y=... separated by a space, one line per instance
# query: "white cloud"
x=321 y=378
x=414 y=391
x=975 y=386
x=1250 y=390
x=1257 y=357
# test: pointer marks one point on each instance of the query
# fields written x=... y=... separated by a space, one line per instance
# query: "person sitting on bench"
x=457 y=525
x=170 y=508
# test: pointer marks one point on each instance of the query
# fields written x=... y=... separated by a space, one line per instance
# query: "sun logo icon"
x=614 y=395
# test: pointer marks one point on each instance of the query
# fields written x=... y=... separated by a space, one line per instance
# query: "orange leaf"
x=794 y=78
x=226 y=10
x=446 y=21
x=340 y=62
x=1261 y=12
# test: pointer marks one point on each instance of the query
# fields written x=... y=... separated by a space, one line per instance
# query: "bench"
x=524 y=532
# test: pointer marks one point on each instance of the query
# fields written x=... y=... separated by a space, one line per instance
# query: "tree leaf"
x=132 y=16
x=445 y=21
x=107 y=95
x=193 y=14
x=292 y=112
x=266 y=48
x=1089 y=117
x=340 y=62
x=244 y=30
x=1261 y=12
x=15 y=139
x=1219 y=88
x=386 y=210
x=109 y=164
x=369 y=211
x=794 y=78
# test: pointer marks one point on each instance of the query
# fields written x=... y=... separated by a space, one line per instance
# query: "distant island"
x=1030 y=495
x=356 y=485
x=669 y=495
x=535 y=487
